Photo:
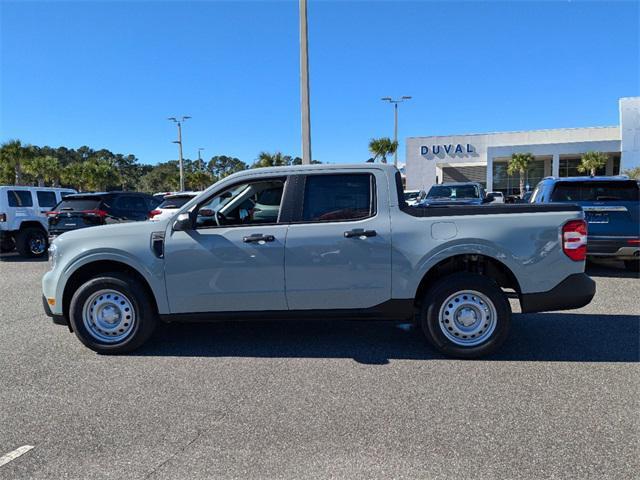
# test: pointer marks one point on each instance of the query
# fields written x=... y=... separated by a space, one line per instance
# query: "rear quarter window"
x=19 y=198
x=595 y=191
x=46 y=199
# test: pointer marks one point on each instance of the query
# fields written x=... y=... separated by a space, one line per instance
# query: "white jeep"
x=23 y=219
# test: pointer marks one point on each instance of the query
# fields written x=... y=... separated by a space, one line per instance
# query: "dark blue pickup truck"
x=612 y=211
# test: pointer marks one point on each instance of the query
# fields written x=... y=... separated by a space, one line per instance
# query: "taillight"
x=96 y=212
x=633 y=241
x=574 y=240
x=51 y=212
x=153 y=213
x=3 y=217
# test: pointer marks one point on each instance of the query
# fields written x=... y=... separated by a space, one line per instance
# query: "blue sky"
x=107 y=74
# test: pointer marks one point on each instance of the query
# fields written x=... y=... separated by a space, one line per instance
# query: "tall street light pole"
x=179 y=142
x=395 y=121
x=304 y=85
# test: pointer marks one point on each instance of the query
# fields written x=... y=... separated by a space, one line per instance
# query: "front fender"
x=152 y=271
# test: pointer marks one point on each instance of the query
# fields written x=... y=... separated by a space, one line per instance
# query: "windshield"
x=175 y=202
x=596 y=191
x=454 y=191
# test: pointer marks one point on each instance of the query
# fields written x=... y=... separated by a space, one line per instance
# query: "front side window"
x=46 y=199
x=20 y=198
x=329 y=198
x=251 y=203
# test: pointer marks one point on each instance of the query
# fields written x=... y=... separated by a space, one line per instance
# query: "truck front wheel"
x=465 y=315
x=112 y=313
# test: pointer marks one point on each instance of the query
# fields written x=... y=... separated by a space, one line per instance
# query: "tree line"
x=86 y=169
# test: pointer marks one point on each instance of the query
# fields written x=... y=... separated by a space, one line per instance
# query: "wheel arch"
x=468 y=262
x=32 y=223
x=95 y=268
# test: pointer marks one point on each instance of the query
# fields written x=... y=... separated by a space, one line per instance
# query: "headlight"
x=53 y=253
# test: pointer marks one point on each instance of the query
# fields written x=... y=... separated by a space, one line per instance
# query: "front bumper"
x=575 y=291
x=57 y=319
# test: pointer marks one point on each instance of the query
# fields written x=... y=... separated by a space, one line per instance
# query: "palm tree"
x=592 y=161
x=46 y=169
x=13 y=154
x=633 y=173
x=277 y=159
x=520 y=163
x=381 y=147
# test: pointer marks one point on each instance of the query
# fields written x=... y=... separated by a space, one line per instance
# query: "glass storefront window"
x=510 y=184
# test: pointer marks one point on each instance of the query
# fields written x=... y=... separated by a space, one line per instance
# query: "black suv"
x=91 y=209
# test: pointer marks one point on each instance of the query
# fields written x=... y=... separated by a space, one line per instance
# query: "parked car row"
x=31 y=216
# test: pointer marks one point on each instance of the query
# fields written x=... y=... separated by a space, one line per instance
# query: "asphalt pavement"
x=322 y=399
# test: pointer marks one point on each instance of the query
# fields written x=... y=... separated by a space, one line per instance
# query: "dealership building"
x=484 y=157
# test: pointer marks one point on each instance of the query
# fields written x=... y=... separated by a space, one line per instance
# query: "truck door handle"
x=359 y=232
x=258 y=237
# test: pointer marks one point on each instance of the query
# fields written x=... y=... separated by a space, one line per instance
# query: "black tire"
x=632 y=265
x=435 y=299
x=28 y=238
x=146 y=317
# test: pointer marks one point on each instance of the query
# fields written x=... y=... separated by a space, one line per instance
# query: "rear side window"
x=328 y=198
x=78 y=204
x=131 y=203
x=46 y=199
x=20 y=198
x=595 y=191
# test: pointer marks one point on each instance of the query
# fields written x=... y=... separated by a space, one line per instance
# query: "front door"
x=338 y=253
x=233 y=258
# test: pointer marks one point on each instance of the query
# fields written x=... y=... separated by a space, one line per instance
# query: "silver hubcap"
x=37 y=244
x=108 y=316
x=467 y=318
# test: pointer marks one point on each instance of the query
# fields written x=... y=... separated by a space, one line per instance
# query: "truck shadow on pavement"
x=553 y=337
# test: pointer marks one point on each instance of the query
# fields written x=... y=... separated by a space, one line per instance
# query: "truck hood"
x=103 y=235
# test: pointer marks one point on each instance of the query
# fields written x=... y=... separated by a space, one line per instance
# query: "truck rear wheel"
x=465 y=315
x=31 y=242
x=112 y=314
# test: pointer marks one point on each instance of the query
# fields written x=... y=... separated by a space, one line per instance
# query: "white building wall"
x=630 y=132
x=424 y=166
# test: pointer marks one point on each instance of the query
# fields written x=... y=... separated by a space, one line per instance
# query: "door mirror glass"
x=183 y=222
x=206 y=212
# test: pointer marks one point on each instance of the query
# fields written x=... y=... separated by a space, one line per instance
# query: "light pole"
x=304 y=85
x=199 y=157
x=179 y=142
x=395 y=123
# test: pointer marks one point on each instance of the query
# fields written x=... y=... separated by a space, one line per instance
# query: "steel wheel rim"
x=109 y=316
x=37 y=244
x=467 y=318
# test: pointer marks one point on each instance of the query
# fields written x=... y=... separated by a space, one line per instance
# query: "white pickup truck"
x=320 y=241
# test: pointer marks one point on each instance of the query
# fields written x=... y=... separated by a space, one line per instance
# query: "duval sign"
x=449 y=149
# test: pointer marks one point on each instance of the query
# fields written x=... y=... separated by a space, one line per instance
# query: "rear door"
x=338 y=248
x=21 y=207
x=611 y=206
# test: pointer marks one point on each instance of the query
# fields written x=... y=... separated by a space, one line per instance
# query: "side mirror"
x=206 y=212
x=183 y=222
